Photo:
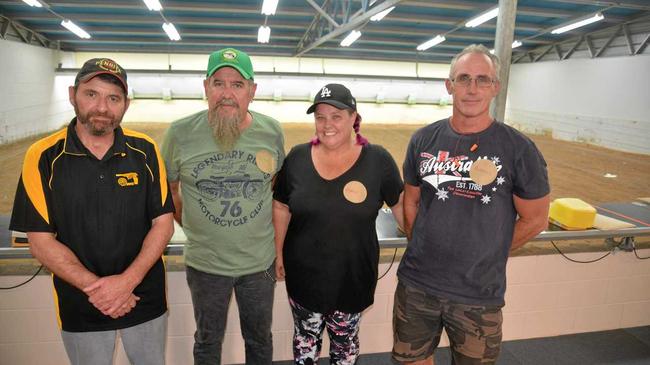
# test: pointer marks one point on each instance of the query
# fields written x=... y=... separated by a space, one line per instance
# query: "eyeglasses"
x=465 y=80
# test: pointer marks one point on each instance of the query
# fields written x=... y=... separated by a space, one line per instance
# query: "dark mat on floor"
x=630 y=346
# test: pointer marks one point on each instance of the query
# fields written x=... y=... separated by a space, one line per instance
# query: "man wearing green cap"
x=221 y=163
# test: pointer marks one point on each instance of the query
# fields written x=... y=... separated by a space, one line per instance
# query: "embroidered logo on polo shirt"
x=127 y=179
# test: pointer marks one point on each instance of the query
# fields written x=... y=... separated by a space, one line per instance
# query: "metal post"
x=503 y=49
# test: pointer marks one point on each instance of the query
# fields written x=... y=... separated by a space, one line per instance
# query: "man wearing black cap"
x=94 y=201
x=221 y=164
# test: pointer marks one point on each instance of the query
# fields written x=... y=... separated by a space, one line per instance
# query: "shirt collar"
x=74 y=146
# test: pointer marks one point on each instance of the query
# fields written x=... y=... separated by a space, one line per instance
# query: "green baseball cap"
x=232 y=58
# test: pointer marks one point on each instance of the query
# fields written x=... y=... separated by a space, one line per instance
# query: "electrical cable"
x=25 y=282
x=390 y=266
x=577 y=261
x=637 y=255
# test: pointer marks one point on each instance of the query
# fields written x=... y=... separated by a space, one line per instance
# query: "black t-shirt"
x=102 y=211
x=331 y=250
x=463 y=231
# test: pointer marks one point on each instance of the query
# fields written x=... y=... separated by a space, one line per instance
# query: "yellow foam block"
x=572 y=213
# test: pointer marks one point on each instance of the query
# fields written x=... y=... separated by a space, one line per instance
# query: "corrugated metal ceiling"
x=128 y=26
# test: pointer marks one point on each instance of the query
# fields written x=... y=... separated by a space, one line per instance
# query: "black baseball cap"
x=98 y=66
x=335 y=95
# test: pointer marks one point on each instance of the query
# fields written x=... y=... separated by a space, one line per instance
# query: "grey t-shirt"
x=463 y=231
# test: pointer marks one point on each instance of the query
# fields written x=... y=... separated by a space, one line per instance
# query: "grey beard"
x=225 y=129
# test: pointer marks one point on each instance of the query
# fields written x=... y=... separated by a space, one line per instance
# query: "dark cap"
x=335 y=95
x=98 y=66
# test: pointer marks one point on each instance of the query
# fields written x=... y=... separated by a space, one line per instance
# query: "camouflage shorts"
x=418 y=319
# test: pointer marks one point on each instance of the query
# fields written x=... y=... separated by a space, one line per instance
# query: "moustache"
x=227 y=103
x=100 y=115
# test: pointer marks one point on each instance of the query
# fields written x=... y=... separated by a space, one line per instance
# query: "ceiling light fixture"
x=379 y=16
x=33 y=3
x=269 y=7
x=171 y=31
x=74 y=28
x=595 y=18
x=264 y=34
x=490 y=14
x=431 y=42
x=353 y=36
x=153 y=5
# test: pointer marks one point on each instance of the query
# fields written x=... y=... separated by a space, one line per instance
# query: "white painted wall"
x=604 y=101
x=165 y=61
x=32 y=99
x=151 y=85
x=314 y=72
x=287 y=111
x=546 y=296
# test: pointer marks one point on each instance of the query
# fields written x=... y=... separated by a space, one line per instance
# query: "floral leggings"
x=343 y=330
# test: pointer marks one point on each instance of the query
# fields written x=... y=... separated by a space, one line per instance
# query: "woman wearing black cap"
x=327 y=197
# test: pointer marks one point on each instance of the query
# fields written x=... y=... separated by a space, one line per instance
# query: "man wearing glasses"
x=475 y=190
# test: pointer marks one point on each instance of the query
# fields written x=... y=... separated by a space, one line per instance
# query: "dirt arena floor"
x=575 y=169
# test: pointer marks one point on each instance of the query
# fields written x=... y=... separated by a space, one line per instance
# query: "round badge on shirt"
x=483 y=171
x=355 y=192
x=265 y=161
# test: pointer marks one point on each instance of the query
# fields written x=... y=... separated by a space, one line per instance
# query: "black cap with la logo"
x=335 y=95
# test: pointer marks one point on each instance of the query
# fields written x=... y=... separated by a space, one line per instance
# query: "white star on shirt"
x=494 y=189
x=501 y=180
x=485 y=199
x=496 y=160
x=442 y=194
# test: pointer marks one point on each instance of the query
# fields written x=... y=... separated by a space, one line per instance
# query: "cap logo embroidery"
x=229 y=55
x=108 y=65
x=325 y=92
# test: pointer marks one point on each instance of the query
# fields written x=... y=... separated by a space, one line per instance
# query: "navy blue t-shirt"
x=463 y=230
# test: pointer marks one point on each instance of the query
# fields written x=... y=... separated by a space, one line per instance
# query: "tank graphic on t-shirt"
x=450 y=176
x=231 y=187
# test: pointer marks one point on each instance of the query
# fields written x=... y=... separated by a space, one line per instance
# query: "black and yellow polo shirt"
x=102 y=210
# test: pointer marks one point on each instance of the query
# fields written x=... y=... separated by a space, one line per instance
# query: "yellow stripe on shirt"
x=31 y=175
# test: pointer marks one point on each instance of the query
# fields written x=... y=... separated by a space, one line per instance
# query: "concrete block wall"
x=601 y=101
x=546 y=296
x=32 y=99
x=617 y=134
x=551 y=296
